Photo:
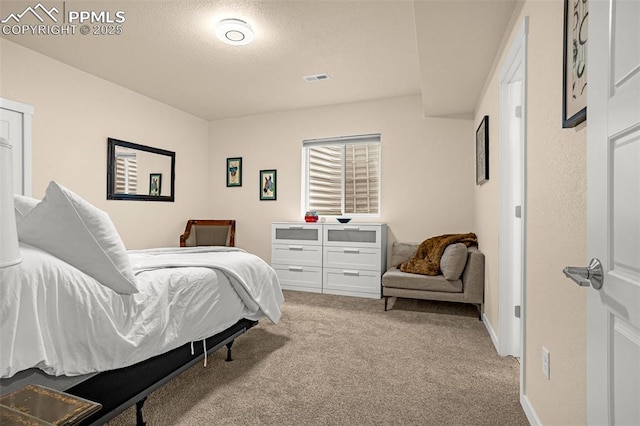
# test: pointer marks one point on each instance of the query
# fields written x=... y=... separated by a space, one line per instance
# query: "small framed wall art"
x=268 y=185
x=482 y=151
x=155 y=184
x=574 y=78
x=234 y=171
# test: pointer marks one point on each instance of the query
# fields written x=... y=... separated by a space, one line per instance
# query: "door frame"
x=27 y=117
x=511 y=237
x=515 y=61
x=515 y=64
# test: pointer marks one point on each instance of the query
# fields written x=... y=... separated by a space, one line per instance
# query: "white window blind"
x=126 y=174
x=362 y=178
x=343 y=175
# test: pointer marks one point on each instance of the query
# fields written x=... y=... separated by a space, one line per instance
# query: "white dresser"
x=345 y=259
x=296 y=255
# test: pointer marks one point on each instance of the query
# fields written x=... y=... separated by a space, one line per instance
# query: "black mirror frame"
x=111 y=164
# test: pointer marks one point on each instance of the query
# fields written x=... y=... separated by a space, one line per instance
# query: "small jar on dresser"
x=344 y=259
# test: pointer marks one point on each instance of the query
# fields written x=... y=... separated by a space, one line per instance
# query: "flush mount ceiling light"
x=234 y=31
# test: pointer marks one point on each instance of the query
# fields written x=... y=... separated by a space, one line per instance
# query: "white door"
x=511 y=236
x=516 y=202
x=15 y=125
x=11 y=129
x=613 y=211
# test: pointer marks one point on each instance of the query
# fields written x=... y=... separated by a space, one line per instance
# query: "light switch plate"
x=546 y=363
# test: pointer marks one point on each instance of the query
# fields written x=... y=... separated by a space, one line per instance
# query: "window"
x=126 y=173
x=343 y=175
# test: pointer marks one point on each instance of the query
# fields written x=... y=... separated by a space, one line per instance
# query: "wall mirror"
x=139 y=172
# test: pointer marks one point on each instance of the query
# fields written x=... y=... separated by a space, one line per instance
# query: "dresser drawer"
x=351 y=282
x=352 y=235
x=352 y=258
x=296 y=254
x=294 y=233
x=303 y=278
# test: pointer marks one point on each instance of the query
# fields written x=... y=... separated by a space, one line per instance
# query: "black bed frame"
x=119 y=389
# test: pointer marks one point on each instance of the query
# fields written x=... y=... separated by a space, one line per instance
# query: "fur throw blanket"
x=426 y=260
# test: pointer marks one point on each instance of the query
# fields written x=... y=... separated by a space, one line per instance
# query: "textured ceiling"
x=458 y=41
x=370 y=49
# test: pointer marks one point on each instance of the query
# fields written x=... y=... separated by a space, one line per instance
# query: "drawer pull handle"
x=296 y=248
x=352 y=250
x=295 y=227
x=351 y=228
x=296 y=268
x=354 y=273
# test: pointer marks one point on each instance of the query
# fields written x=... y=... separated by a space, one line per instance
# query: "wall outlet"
x=546 y=363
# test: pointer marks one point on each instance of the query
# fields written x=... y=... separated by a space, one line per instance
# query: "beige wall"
x=427 y=173
x=427 y=164
x=76 y=112
x=556 y=225
x=427 y=167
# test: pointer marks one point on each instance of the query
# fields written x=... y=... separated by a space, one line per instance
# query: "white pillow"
x=82 y=235
x=23 y=205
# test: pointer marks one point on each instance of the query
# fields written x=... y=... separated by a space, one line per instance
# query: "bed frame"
x=119 y=389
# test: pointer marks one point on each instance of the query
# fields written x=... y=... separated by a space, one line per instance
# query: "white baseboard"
x=524 y=401
x=529 y=411
x=492 y=334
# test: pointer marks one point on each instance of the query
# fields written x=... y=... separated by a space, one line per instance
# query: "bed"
x=84 y=315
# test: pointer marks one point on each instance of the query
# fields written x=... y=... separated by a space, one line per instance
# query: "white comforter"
x=56 y=318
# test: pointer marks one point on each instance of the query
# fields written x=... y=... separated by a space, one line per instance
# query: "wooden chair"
x=209 y=233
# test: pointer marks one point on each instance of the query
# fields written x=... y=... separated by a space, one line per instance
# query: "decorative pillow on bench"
x=453 y=261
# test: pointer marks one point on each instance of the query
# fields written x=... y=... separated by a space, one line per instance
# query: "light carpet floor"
x=334 y=360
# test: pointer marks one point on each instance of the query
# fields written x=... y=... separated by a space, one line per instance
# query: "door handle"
x=592 y=275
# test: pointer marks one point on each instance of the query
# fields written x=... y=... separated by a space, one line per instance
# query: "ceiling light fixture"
x=234 y=31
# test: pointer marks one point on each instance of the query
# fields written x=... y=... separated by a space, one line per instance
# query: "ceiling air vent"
x=316 y=77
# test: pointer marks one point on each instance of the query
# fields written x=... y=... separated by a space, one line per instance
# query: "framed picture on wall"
x=155 y=184
x=234 y=171
x=574 y=77
x=482 y=151
x=268 y=185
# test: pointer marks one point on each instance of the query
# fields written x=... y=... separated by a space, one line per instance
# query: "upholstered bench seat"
x=394 y=278
x=466 y=287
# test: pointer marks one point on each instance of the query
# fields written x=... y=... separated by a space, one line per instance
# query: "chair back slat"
x=209 y=232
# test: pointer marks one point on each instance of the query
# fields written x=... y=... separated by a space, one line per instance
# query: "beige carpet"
x=335 y=360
